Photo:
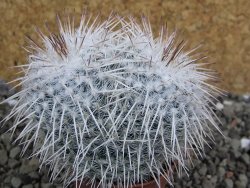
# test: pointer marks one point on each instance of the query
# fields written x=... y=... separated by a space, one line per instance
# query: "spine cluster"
x=109 y=103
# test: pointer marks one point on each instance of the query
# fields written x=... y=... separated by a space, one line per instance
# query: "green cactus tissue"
x=110 y=103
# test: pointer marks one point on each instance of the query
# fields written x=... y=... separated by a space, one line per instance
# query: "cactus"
x=110 y=103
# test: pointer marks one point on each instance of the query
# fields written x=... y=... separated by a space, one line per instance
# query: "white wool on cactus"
x=110 y=103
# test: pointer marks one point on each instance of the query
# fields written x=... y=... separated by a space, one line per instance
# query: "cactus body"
x=113 y=104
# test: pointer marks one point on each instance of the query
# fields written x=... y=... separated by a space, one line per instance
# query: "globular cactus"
x=111 y=104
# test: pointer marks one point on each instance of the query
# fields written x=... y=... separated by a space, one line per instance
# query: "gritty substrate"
x=225 y=165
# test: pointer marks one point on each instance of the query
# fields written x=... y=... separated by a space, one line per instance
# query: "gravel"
x=225 y=164
x=14 y=152
x=229 y=183
x=3 y=157
x=16 y=182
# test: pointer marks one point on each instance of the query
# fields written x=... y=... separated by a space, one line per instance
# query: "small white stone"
x=228 y=103
x=245 y=144
x=219 y=106
x=246 y=96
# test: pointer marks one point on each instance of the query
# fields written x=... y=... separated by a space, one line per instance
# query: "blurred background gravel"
x=227 y=164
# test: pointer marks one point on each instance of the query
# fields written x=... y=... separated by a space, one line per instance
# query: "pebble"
x=214 y=180
x=1 y=146
x=209 y=176
x=207 y=184
x=228 y=110
x=16 y=182
x=196 y=177
x=238 y=107
x=27 y=186
x=221 y=172
x=228 y=103
x=14 y=152
x=245 y=144
x=29 y=166
x=203 y=170
x=6 y=139
x=34 y=175
x=235 y=144
x=231 y=165
x=2 y=170
x=246 y=159
x=223 y=163
x=3 y=157
x=46 y=185
x=37 y=185
x=219 y=106
x=12 y=163
x=243 y=181
x=229 y=183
